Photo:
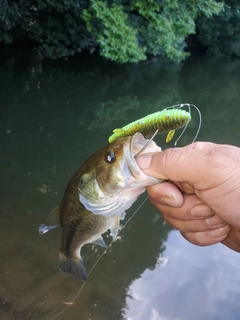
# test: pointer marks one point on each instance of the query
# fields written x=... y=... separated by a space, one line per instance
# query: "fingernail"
x=144 y=161
x=221 y=232
x=214 y=221
x=201 y=211
x=170 y=201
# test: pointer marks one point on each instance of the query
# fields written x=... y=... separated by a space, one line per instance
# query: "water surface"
x=53 y=116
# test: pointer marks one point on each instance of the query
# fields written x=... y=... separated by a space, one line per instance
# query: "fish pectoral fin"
x=122 y=216
x=100 y=242
x=75 y=267
x=43 y=228
x=116 y=225
x=114 y=228
x=51 y=222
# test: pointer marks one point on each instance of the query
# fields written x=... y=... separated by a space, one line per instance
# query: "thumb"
x=158 y=164
x=175 y=164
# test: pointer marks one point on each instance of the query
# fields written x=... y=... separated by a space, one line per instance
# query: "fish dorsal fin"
x=51 y=222
x=100 y=242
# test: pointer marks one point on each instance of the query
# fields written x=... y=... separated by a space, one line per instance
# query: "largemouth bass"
x=96 y=198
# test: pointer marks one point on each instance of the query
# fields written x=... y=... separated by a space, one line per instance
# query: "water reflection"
x=53 y=116
x=193 y=283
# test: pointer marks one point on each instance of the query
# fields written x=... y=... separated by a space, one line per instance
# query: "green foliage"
x=221 y=34
x=123 y=31
x=159 y=26
x=116 y=38
x=9 y=20
x=168 y=23
x=56 y=27
x=59 y=29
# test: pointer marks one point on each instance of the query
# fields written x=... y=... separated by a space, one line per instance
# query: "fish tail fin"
x=75 y=267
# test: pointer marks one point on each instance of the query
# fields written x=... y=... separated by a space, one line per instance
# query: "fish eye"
x=110 y=157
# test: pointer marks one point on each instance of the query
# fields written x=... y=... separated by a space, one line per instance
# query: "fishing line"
x=144 y=147
x=133 y=214
x=105 y=251
x=200 y=121
x=180 y=106
x=189 y=105
x=96 y=262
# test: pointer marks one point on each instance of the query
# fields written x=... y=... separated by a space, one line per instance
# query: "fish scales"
x=106 y=185
x=96 y=198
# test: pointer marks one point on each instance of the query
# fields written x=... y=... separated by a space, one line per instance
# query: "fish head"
x=111 y=180
x=102 y=177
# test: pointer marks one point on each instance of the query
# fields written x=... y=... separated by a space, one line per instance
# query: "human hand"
x=201 y=197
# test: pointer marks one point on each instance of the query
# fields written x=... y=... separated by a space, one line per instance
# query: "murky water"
x=53 y=116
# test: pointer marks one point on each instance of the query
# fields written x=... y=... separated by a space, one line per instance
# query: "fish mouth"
x=132 y=181
x=138 y=143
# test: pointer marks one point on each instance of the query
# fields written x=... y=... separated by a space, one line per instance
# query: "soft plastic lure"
x=163 y=121
x=170 y=135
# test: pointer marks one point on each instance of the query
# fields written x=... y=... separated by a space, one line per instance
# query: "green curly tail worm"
x=165 y=120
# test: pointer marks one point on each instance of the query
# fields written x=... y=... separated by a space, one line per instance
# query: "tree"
x=221 y=34
x=55 y=27
x=123 y=31
x=159 y=26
